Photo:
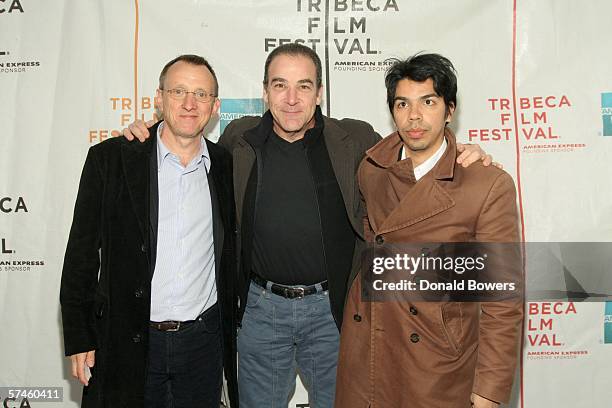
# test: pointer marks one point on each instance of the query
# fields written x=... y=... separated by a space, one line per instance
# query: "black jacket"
x=346 y=141
x=113 y=234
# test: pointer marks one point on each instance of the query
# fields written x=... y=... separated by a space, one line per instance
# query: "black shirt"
x=288 y=239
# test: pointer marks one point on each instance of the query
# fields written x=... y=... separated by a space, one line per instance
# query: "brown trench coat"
x=429 y=354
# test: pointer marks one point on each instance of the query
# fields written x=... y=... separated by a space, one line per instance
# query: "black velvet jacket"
x=110 y=259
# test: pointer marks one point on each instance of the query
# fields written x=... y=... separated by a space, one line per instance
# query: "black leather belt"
x=171 y=325
x=288 y=292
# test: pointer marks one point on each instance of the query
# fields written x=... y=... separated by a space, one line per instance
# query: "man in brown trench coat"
x=428 y=354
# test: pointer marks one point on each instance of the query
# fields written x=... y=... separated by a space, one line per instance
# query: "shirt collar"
x=163 y=152
x=423 y=168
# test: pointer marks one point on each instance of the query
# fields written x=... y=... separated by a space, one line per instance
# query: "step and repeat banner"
x=535 y=91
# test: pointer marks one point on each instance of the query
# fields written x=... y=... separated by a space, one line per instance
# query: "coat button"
x=136 y=338
x=414 y=338
x=143 y=248
x=356 y=317
x=380 y=239
x=413 y=310
x=138 y=293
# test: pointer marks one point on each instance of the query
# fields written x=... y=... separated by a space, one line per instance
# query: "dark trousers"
x=185 y=367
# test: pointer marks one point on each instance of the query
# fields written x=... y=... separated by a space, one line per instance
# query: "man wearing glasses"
x=147 y=292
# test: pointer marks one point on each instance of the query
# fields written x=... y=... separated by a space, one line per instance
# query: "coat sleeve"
x=82 y=262
x=500 y=321
x=234 y=130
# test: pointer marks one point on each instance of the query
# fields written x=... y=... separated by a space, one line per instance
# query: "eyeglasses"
x=180 y=93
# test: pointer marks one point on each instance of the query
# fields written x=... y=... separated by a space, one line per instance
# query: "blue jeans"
x=278 y=337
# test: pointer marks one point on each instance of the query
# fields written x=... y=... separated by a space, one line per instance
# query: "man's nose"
x=292 y=96
x=414 y=112
x=190 y=102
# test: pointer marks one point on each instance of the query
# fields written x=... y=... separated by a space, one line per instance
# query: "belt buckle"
x=300 y=293
x=178 y=326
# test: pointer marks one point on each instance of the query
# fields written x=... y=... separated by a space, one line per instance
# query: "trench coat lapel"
x=425 y=199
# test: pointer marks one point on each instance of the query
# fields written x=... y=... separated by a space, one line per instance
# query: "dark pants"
x=185 y=367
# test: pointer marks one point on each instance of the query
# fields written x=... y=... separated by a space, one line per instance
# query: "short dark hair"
x=295 y=49
x=189 y=59
x=419 y=68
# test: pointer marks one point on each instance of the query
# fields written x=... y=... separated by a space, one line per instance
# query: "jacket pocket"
x=452 y=325
x=100 y=320
x=100 y=304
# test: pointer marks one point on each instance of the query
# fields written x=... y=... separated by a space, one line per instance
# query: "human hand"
x=471 y=153
x=138 y=129
x=81 y=363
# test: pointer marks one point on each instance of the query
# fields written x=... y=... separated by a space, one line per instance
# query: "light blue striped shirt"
x=183 y=284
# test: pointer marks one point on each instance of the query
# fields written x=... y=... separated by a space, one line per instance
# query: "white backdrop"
x=535 y=90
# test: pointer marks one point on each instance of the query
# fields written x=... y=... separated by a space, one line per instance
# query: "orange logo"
x=126 y=110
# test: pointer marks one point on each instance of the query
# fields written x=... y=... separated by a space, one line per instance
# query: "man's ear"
x=216 y=106
x=450 y=110
x=159 y=101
